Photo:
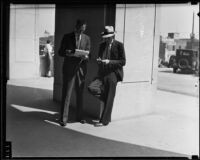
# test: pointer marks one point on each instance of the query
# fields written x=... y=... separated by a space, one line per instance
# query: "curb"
x=178 y=92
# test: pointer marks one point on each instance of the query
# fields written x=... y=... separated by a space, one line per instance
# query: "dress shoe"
x=99 y=124
x=82 y=121
x=62 y=124
x=105 y=124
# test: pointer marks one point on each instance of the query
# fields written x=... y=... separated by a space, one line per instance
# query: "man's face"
x=81 y=29
x=108 y=39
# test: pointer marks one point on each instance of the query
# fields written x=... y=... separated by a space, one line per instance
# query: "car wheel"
x=175 y=70
x=172 y=60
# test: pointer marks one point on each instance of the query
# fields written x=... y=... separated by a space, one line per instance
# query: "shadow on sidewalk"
x=31 y=128
x=34 y=99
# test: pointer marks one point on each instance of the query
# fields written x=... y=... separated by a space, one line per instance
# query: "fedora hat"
x=108 y=32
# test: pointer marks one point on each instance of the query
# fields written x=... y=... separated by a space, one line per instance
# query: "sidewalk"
x=171 y=130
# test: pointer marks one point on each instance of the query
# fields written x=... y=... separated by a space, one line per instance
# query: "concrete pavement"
x=172 y=128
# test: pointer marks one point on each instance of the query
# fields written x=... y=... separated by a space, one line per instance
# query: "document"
x=79 y=53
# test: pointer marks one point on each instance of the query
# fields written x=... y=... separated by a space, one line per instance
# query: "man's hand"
x=69 y=52
x=84 y=57
x=99 y=60
x=106 y=61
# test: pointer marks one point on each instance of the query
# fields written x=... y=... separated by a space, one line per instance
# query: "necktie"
x=78 y=40
x=106 y=54
x=108 y=51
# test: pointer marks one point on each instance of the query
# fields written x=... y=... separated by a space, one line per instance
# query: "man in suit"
x=111 y=61
x=74 y=70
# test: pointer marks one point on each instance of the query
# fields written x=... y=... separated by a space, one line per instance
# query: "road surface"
x=178 y=82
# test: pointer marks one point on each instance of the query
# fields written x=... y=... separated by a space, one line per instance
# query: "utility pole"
x=192 y=36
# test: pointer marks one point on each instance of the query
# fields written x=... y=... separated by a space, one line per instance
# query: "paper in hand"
x=79 y=53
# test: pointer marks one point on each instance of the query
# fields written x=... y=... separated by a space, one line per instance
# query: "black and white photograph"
x=102 y=80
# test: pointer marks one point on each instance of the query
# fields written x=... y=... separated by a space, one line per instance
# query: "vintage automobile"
x=186 y=59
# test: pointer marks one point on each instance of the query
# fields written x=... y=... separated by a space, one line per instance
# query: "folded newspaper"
x=79 y=53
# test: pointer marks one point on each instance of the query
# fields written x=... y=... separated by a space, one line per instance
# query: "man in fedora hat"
x=74 y=69
x=111 y=61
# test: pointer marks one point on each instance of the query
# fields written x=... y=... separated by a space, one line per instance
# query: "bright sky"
x=178 y=18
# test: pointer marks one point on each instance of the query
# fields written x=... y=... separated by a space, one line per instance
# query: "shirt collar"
x=110 y=44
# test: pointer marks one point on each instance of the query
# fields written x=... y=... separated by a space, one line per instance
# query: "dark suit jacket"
x=70 y=63
x=117 y=58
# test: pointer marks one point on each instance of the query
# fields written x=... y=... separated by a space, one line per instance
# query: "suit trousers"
x=70 y=82
x=110 y=83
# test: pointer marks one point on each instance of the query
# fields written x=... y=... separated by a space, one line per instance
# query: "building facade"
x=137 y=26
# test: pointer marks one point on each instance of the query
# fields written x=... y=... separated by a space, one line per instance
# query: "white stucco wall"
x=26 y=23
x=138 y=27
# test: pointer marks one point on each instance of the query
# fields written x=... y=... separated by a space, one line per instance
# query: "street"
x=183 y=83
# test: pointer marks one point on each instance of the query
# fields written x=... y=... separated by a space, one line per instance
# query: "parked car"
x=171 y=61
x=186 y=59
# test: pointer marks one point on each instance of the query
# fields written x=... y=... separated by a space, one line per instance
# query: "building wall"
x=181 y=44
x=138 y=27
x=24 y=54
x=25 y=29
